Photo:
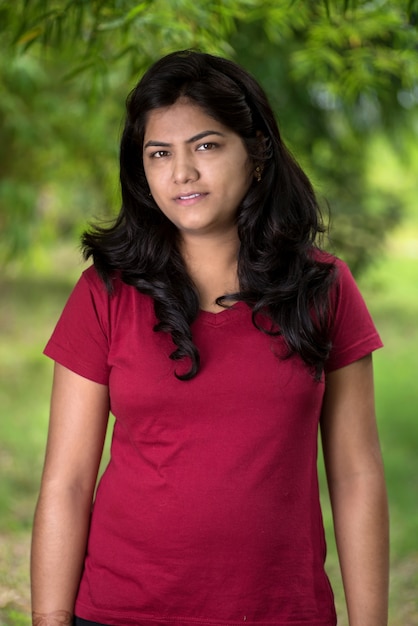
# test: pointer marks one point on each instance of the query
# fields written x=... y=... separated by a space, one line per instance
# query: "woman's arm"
x=357 y=490
x=79 y=415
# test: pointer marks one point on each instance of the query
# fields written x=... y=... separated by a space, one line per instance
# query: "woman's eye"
x=207 y=146
x=159 y=154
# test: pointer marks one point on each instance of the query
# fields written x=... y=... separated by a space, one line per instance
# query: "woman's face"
x=198 y=170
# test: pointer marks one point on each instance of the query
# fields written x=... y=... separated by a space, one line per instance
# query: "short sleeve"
x=353 y=333
x=80 y=340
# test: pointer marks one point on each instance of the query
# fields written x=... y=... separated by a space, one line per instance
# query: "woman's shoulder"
x=112 y=285
x=92 y=277
x=323 y=256
x=112 y=293
x=335 y=263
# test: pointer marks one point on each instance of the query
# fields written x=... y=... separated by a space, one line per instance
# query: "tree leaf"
x=29 y=36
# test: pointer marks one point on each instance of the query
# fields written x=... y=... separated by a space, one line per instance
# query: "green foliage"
x=65 y=69
x=102 y=34
x=338 y=73
x=362 y=47
x=348 y=47
x=50 y=139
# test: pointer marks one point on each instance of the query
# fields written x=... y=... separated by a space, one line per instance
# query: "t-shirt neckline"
x=221 y=317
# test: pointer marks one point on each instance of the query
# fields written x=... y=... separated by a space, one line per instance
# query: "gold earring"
x=257 y=173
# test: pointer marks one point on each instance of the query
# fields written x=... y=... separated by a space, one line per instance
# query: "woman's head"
x=283 y=200
x=222 y=89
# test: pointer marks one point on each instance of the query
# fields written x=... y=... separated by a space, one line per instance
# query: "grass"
x=30 y=304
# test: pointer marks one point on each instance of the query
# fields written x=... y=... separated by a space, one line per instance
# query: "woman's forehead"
x=181 y=120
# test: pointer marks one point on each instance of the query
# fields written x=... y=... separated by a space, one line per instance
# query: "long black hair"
x=281 y=274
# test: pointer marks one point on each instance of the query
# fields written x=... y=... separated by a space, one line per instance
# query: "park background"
x=343 y=78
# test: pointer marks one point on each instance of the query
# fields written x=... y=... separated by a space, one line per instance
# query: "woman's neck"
x=212 y=265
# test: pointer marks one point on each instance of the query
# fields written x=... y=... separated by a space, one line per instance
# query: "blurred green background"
x=343 y=78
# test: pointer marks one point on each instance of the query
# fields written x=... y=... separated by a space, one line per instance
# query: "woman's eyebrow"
x=205 y=133
x=201 y=135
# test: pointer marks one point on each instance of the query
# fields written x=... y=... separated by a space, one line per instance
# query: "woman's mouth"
x=190 y=198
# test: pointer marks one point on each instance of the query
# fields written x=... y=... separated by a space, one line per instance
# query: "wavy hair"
x=281 y=274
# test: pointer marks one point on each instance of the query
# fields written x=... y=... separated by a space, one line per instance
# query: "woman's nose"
x=184 y=170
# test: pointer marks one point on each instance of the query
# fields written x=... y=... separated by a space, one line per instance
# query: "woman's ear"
x=261 y=143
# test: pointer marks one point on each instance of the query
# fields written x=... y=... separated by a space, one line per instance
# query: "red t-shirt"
x=208 y=512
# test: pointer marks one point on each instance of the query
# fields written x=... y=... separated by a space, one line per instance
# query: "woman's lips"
x=189 y=195
x=190 y=198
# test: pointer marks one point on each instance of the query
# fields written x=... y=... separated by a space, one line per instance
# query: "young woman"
x=220 y=336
